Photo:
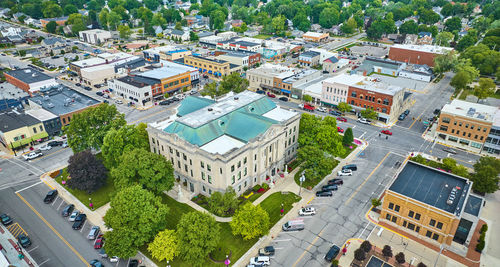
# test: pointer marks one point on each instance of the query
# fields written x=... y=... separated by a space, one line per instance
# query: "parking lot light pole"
x=301 y=179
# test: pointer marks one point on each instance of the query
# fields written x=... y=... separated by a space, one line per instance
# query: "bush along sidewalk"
x=481 y=242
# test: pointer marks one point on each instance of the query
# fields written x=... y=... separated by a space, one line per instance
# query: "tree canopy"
x=485 y=177
x=123 y=140
x=165 y=246
x=86 y=171
x=250 y=221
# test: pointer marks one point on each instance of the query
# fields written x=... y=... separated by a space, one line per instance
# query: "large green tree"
x=444 y=38
x=453 y=24
x=223 y=204
x=409 y=27
x=369 y=113
x=486 y=88
x=348 y=137
x=483 y=58
x=51 y=26
x=466 y=41
x=86 y=171
x=124 y=31
x=165 y=246
x=136 y=216
x=141 y=167
x=344 y=107
x=88 y=128
x=233 y=82
x=329 y=17
x=51 y=9
x=445 y=62
x=123 y=140
x=349 y=26
x=485 y=176
x=250 y=221
x=460 y=80
x=199 y=235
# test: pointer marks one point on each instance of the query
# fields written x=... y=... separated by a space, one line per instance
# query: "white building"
x=194 y=72
x=96 y=36
x=239 y=141
x=135 y=89
x=336 y=89
x=97 y=74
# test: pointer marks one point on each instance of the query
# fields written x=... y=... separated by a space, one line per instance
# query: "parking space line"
x=30 y=186
x=282 y=240
x=53 y=229
x=83 y=226
x=54 y=202
x=32 y=249
x=60 y=204
x=45 y=261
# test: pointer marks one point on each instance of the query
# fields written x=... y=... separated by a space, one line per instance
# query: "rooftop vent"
x=210 y=109
x=50 y=105
x=471 y=112
x=236 y=98
x=452 y=196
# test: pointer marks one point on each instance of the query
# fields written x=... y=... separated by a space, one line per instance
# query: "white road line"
x=28 y=187
x=40 y=264
x=60 y=205
x=375 y=227
x=32 y=249
x=278 y=248
x=282 y=240
x=361 y=136
x=83 y=226
x=360 y=234
x=55 y=200
x=13 y=161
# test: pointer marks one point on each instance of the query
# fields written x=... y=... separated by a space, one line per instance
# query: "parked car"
x=342 y=119
x=340 y=130
x=346 y=172
x=437 y=111
x=293 y=225
x=99 y=93
x=95 y=232
x=79 y=221
x=6 y=219
x=45 y=147
x=324 y=193
x=78 y=84
x=322 y=109
x=118 y=101
x=67 y=210
x=402 y=117
x=51 y=195
x=33 y=155
x=351 y=167
x=335 y=113
x=165 y=102
x=133 y=263
x=332 y=253
x=260 y=92
x=386 y=132
x=449 y=150
x=193 y=92
x=307 y=107
x=336 y=181
x=329 y=188
x=99 y=242
x=96 y=263
x=283 y=98
x=73 y=215
x=106 y=96
x=65 y=144
x=55 y=143
x=87 y=88
x=105 y=101
x=261 y=260
x=406 y=112
x=266 y=251
x=24 y=240
x=307 y=211
x=363 y=120
x=271 y=95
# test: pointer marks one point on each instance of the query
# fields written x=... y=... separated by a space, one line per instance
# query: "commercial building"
x=29 y=80
x=220 y=37
x=96 y=36
x=417 y=54
x=466 y=125
x=138 y=90
x=51 y=122
x=315 y=37
x=97 y=74
x=240 y=141
x=61 y=21
x=194 y=72
x=101 y=59
x=378 y=65
x=168 y=52
x=492 y=143
x=12 y=96
x=63 y=102
x=19 y=129
x=276 y=50
x=432 y=205
x=417 y=72
x=336 y=89
x=214 y=67
x=240 y=58
x=172 y=78
x=236 y=44
x=330 y=65
x=309 y=58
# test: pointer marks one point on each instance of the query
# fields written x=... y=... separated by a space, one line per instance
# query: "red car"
x=340 y=130
x=271 y=95
x=386 y=132
x=342 y=119
x=99 y=242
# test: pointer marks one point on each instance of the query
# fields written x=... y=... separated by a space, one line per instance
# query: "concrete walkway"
x=10 y=250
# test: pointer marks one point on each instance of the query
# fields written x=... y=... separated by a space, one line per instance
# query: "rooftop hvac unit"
x=46 y=98
x=50 y=105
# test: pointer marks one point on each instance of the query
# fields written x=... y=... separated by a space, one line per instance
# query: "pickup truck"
x=32 y=155
x=307 y=107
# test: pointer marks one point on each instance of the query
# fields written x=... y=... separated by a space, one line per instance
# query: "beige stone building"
x=239 y=141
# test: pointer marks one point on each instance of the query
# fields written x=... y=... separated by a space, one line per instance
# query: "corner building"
x=239 y=141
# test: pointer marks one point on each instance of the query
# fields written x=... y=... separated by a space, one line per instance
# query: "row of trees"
x=230 y=83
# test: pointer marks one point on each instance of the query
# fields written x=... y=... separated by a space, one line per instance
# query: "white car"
x=114 y=259
x=345 y=172
x=32 y=155
x=45 y=147
x=364 y=121
x=118 y=101
x=307 y=211
x=261 y=260
x=301 y=106
x=65 y=144
x=73 y=216
x=322 y=109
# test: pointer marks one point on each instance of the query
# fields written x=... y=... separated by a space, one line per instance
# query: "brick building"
x=431 y=204
x=315 y=37
x=29 y=80
x=416 y=54
x=242 y=58
x=60 y=21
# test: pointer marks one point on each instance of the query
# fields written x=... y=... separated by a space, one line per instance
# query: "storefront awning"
x=286 y=91
x=28 y=140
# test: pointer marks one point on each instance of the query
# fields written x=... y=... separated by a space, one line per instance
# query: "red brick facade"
x=18 y=83
x=254 y=59
x=362 y=98
x=412 y=56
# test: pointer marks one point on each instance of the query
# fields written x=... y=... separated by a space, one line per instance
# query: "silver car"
x=73 y=215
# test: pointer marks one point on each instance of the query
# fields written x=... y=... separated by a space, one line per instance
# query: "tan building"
x=433 y=205
x=209 y=66
x=240 y=141
x=98 y=74
x=19 y=129
x=168 y=52
x=315 y=37
x=465 y=125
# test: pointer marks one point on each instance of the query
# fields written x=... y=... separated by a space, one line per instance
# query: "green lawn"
x=272 y=204
x=99 y=198
x=310 y=182
x=348 y=151
x=262 y=36
x=464 y=94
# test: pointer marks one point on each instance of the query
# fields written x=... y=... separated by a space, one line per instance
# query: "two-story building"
x=29 y=80
x=309 y=59
x=19 y=129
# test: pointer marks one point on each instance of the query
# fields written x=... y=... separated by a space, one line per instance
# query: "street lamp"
x=301 y=179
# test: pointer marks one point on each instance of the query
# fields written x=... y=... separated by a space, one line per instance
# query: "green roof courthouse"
x=239 y=141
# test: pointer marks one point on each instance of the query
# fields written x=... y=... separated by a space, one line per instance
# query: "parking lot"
x=367 y=50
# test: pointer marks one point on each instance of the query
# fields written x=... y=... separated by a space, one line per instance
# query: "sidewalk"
x=11 y=251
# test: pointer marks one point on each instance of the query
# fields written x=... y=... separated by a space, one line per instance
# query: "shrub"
x=387 y=251
x=335 y=262
x=480 y=246
x=366 y=246
x=484 y=228
x=359 y=254
x=376 y=202
x=265 y=186
x=420 y=264
x=256 y=188
x=482 y=236
x=400 y=258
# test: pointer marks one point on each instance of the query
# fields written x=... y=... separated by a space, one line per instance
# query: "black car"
x=284 y=99
x=99 y=93
x=336 y=181
x=329 y=188
x=335 y=113
x=55 y=143
x=87 y=88
x=260 y=92
x=406 y=112
x=24 y=240
x=68 y=210
x=332 y=253
x=133 y=263
x=324 y=193
x=51 y=195
x=437 y=111
x=402 y=117
x=78 y=84
x=79 y=221
x=165 y=102
x=266 y=251
x=105 y=101
x=6 y=219
x=96 y=263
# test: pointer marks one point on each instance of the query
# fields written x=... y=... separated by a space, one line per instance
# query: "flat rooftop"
x=310 y=54
x=29 y=75
x=212 y=60
x=89 y=62
x=12 y=119
x=431 y=186
x=472 y=110
x=299 y=76
x=473 y=205
x=314 y=34
x=163 y=72
x=62 y=100
x=41 y=114
x=138 y=81
x=424 y=48
x=366 y=83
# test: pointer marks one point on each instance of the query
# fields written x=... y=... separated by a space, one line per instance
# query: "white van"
x=294 y=225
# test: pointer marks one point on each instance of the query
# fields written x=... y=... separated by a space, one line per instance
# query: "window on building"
x=391 y=206
x=171 y=151
x=443 y=128
x=388 y=216
x=202 y=164
x=432 y=222
x=203 y=176
x=428 y=234
x=233 y=179
x=239 y=175
x=445 y=120
x=204 y=189
x=245 y=160
x=411 y=226
x=353 y=94
x=239 y=164
x=472 y=127
x=177 y=153
x=239 y=188
x=191 y=173
x=34 y=129
x=186 y=167
x=184 y=156
x=411 y=214
x=417 y=216
x=396 y=208
x=209 y=168
x=405 y=223
x=209 y=179
x=178 y=163
x=435 y=236
x=190 y=162
x=439 y=225
x=232 y=168
x=394 y=219
x=245 y=172
x=255 y=168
